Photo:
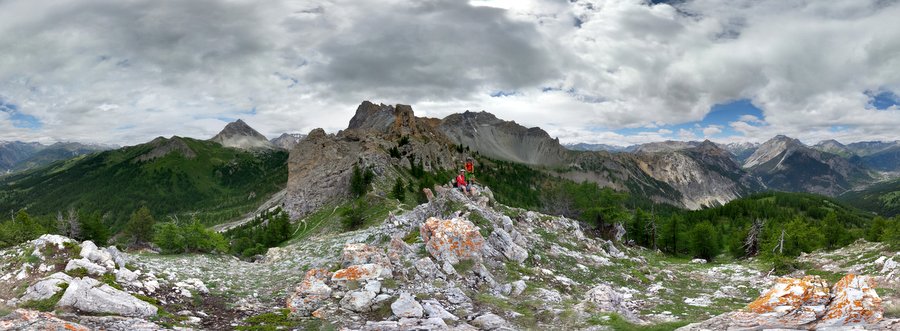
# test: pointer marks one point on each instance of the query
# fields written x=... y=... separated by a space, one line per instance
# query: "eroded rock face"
x=319 y=169
x=451 y=240
x=311 y=292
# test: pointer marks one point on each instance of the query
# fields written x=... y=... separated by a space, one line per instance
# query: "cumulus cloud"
x=126 y=71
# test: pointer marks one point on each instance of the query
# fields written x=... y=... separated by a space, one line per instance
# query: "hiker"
x=461 y=181
x=470 y=176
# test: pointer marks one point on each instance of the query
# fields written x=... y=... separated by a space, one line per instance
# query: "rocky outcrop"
x=451 y=240
x=319 y=170
x=806 y=304
x=320 y=165
x=238 y=134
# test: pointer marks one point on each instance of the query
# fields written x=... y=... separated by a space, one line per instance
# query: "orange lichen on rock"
x=794 y=293
x=451 y=240
x=358 y=272
x=23 y=319
x=855 y=302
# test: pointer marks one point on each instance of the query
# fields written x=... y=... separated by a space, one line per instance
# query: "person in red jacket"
x=461 y=181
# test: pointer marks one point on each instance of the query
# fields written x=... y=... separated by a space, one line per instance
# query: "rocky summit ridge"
x=690 y=176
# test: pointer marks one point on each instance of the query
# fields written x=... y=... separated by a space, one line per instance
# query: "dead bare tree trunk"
x=751 y=243
x=651 y=229
x=780 y=246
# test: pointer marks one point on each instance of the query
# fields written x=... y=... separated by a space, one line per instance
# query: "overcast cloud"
x=620 y=72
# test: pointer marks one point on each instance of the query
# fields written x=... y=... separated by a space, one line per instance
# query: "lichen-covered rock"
x=807 y=304
x=91 y=296
x=311 y=292
x=855 y=302
x=792 y=301
x=22 y=319
x=407 y=307
x=451 y=240
x=363 y=254
x=362 y=272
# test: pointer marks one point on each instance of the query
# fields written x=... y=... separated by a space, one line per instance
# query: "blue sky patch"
x=19 y=119
x=883 y=100
x=721 y=115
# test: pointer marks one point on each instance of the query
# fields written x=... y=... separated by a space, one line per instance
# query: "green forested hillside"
x=809 y=221
x=177 y=176
x=882 y=198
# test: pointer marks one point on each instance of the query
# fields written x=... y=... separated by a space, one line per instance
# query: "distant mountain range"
x=384 y=138
x=171 y=176
x=18 y=156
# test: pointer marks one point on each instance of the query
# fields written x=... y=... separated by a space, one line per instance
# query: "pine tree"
x=140 y=226
x=704 y=241
x=399 y=191
x=835 y=233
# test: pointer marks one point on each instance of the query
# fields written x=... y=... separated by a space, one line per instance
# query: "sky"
x=595 y=71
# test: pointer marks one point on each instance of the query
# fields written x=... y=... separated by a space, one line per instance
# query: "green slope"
x=201 y=179
x=882 y=198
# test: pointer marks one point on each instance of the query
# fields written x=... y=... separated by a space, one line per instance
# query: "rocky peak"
x=287 y=141
x=772 y=148
x=238 y=134
x=390 y=122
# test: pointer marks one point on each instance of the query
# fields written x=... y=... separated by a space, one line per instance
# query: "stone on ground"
x=91 y=296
